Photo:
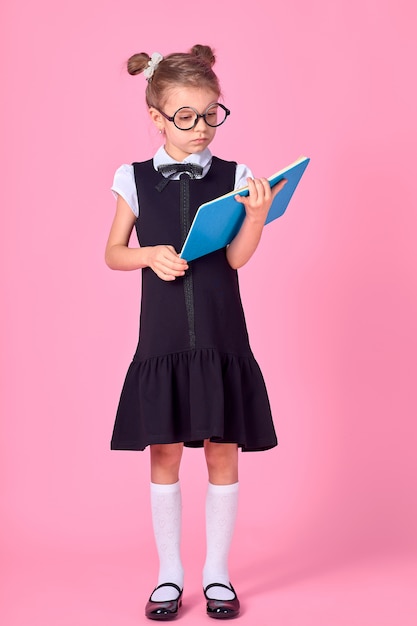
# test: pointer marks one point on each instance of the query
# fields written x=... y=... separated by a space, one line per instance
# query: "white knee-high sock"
x=166 y=518
x=221 y=510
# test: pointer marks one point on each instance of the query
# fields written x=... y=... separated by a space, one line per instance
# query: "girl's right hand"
x=165 y=262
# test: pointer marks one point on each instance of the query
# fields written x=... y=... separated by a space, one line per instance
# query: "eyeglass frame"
x=198 y=115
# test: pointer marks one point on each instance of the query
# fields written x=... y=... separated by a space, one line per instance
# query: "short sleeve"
x=124 y=185
x=242 y=173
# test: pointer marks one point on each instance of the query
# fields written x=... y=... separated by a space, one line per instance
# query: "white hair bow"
x=153 y=63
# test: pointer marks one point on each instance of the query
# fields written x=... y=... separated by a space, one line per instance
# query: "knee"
x=222 y=462
x=165 y=462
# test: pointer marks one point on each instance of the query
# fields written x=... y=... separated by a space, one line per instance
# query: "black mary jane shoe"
x=222 y=609
x=163 y=610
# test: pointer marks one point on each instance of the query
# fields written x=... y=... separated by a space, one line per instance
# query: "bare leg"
x=222 y=462
x=165 y=463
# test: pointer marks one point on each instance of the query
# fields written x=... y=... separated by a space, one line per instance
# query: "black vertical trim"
x=188 y=278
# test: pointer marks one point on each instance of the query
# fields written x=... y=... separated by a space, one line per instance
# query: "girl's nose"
x=201 y=124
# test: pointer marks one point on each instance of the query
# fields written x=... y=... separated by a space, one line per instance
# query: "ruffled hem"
x=192 y=396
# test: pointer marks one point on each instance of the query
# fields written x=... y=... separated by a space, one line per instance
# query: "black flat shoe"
x=156 y=609
x=222 y=609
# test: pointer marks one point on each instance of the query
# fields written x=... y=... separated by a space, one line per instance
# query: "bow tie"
x=170 y=169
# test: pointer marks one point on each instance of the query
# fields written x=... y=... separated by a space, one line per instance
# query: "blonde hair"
x=186 y=69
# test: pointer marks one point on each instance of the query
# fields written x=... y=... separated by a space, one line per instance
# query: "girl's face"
x=181 y=143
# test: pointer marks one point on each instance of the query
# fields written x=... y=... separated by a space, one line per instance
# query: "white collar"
x=202 y=158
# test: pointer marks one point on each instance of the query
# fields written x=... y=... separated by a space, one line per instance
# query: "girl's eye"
x=184 y=118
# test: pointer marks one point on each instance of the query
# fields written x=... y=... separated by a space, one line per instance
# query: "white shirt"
x=124 y=178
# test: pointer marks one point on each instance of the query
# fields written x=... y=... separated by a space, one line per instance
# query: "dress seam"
x=190 y=351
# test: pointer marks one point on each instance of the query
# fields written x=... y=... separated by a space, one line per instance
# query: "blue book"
x=217 y=222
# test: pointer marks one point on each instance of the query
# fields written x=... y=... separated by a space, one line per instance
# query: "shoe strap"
x=230 y=588
x=168 y=585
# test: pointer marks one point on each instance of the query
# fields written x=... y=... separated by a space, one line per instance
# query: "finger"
x=164 y=276
x=253 y=188
x=277 y=188
x=172 y=251
x=263 y=190
x=261 y=182
x=168 y=270
x=172 y=254
x=173 y=260
x=265 y=187
x=240 y=198
x=176 y=265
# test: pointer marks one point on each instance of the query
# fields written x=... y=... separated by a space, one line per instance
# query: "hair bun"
x=205 y=53
x=137 y=63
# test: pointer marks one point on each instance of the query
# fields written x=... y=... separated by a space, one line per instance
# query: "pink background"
x=327 y=522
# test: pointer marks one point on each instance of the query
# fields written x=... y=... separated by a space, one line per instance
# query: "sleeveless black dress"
x=193 y=376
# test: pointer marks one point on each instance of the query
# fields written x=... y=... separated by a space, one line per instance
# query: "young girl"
x=193 y=380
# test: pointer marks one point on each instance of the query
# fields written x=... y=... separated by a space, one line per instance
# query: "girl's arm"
x=163 y=260
x=257 y=205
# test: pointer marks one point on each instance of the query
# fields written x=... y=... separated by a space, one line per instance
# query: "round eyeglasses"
x=187 y=118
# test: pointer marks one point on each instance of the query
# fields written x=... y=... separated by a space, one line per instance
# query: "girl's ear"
x=157 y=118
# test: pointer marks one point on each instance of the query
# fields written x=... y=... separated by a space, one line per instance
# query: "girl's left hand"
x=259 y=200
x=257 y=205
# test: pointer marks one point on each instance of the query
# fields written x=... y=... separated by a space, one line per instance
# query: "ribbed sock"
x=166 y=519
x=221 y=510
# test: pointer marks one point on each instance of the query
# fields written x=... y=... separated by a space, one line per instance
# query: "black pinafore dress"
x=193 y=376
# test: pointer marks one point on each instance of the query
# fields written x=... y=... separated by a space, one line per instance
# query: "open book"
x=217 y=222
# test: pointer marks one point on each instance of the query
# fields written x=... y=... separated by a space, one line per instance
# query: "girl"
x=193 y=380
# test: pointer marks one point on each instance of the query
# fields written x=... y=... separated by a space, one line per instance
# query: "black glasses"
x=187 y=118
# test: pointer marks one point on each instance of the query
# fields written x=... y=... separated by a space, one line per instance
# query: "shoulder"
x=124 y=185
x=124 y=172
x=242 y=174
x=215 y=160
x=221 y=167
x=242 y=171
x=127 y=171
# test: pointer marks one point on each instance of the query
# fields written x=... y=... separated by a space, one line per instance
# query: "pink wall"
x=331 y=296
